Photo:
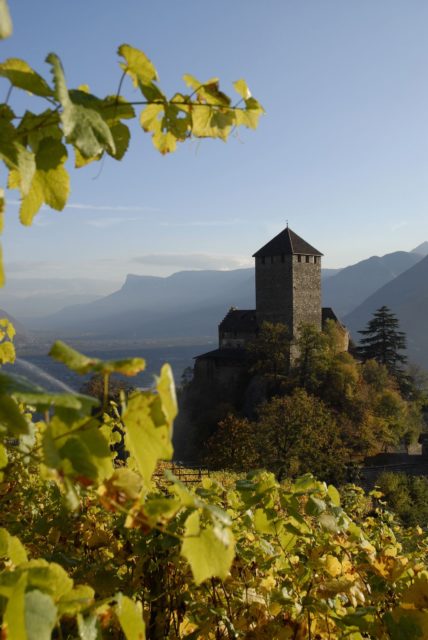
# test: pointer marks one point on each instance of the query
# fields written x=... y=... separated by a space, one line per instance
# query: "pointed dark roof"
x=288 y=243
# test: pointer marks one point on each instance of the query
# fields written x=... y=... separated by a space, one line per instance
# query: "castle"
x=288 y=291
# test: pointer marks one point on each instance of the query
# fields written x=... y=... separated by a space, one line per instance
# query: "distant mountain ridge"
x=352 y=285
x=191 y=303
x=407 y=297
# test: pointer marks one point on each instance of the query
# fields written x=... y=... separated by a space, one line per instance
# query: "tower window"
x=299 y=258
x=307 y=258
x=316 y=259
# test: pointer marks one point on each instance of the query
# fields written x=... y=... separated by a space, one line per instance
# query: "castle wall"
x=274 y=301
x=288 y=290
x=306 y=292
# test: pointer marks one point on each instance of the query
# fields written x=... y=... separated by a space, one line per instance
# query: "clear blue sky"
x=342 y=152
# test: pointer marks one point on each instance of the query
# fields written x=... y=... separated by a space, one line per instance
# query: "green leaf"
x=78 y=599
x=14 y=616
x=212 y=122
x=166 y=389
x=209 y=551
x=40 y=615
x=3 y=457
x=121 y=137
x=49 y=577
x=83 y=127
x=262 y=523
x=50 y=183
x=241 y=87
x=130 y=616
x=137 y=65
x=147 y=436
x=11 y=419
x=315 y=506
x=334 y=495
x=5 y=20
x=86 y=450
x=84 y=364
x=22 y=76
x=81 y=404
x=151 y=117
x=11 y=547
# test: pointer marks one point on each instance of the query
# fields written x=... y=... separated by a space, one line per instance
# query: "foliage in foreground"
x=35 y=145
x=94 y=549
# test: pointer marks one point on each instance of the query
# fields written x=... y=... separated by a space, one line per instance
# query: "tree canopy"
x=383 y=341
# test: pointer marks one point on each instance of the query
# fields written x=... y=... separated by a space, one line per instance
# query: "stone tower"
x=288 y=282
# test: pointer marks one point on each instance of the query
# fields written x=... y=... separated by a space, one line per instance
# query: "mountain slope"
x=352 y=285
x=407 y=297
x=147 y=302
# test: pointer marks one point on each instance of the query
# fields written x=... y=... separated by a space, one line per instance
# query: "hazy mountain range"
x=190 y=304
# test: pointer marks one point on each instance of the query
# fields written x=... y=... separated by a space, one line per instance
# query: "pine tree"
x=383 y=341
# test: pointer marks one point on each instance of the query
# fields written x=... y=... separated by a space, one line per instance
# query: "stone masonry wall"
x=288 y=290
x=306 y=292
x=274 y=290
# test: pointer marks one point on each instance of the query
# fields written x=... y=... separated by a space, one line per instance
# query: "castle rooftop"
x=287 y=243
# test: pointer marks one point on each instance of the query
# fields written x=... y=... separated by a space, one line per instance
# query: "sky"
x=341 y=153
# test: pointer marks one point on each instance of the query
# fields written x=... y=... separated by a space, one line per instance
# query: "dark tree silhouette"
x=383 y=341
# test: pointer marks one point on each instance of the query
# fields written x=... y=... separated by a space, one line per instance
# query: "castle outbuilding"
x=288 y=291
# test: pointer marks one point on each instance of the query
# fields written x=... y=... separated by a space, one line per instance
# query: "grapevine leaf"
x=5 y=20
x=11 y=419
x=262 y=523
x=150 y=117
x=137 y=65
x=21 y=75
x=14 y=616
x=130 y=616
x=209 y=551
x=82 y=404
x=86 y=450
x=211 y=122
x=334 y=495
x=241 y=87
x=249 y=117
x=121 y=137
x=147 y=437
x=40 y=615
x=84 y=364
x=164 y=141
x=315 y=506
x=166 y=390
x=76 y=600
x=3 y=457
x=50 y=183
x=83 y=127
x=16 y=157
x=207 y=92
x=11 y=547
x=49 y=577
x=34 y=128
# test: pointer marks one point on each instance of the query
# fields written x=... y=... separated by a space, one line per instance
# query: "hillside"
x=407 y=297
x=352 y=285
x=187 y=303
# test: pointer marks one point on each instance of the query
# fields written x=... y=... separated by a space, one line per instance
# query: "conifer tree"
x=383 y=341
